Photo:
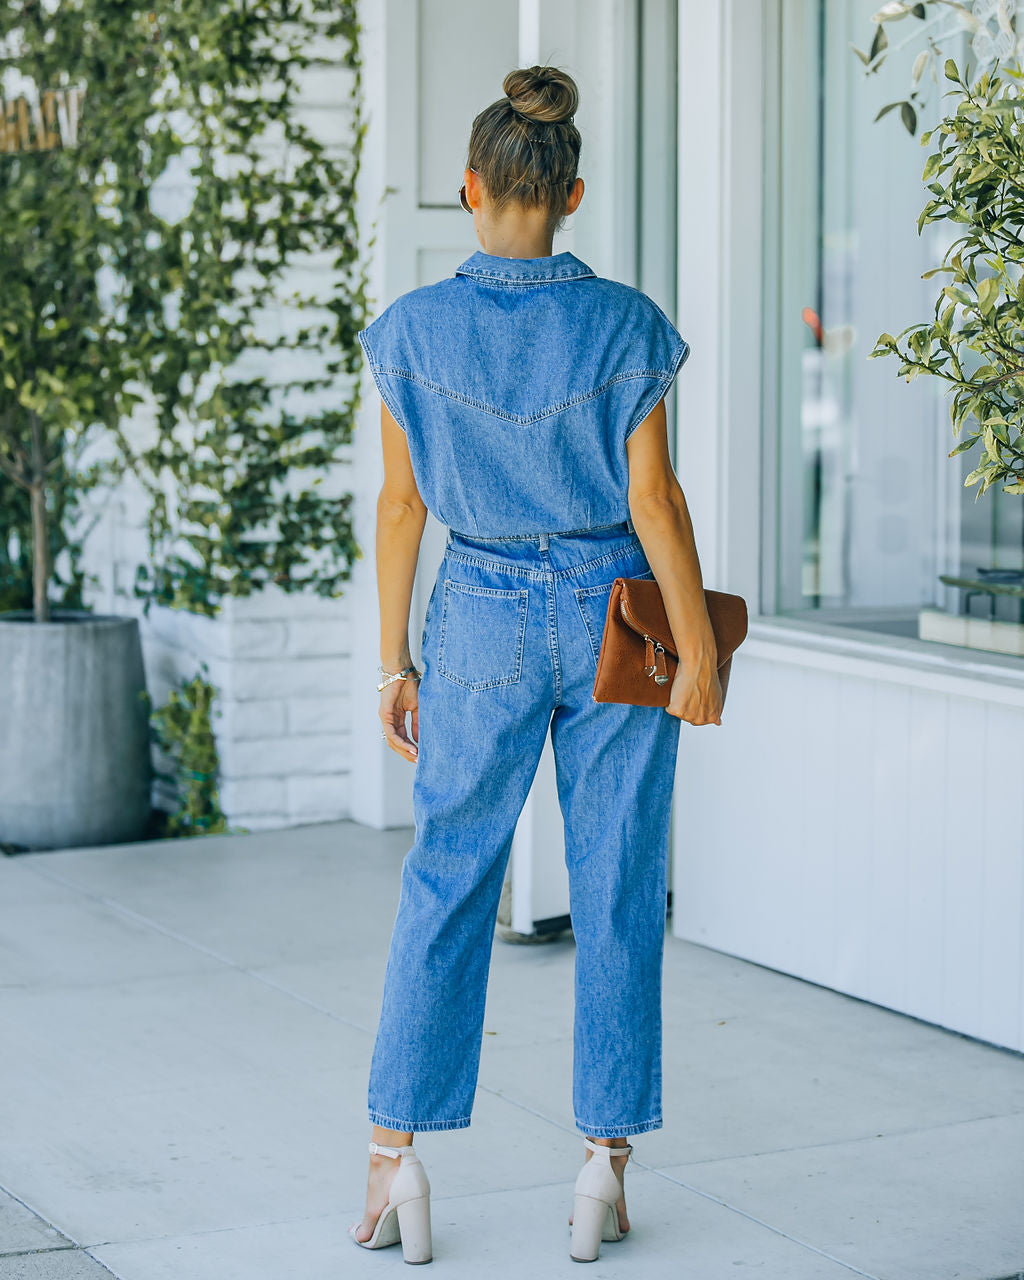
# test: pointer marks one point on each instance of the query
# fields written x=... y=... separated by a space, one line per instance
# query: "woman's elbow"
x=665 y=500
x=398 y=506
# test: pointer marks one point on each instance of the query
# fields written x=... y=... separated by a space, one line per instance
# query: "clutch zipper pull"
x=654 y=660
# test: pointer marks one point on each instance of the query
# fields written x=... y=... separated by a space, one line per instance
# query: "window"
x=865 y=510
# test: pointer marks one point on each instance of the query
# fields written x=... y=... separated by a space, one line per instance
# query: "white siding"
x=856 y=823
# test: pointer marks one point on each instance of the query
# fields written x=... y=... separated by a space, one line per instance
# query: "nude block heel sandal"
x=406 y=1216
x=594 y=1216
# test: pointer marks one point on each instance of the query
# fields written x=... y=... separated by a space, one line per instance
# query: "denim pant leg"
x=615 y=767
x=485 y=701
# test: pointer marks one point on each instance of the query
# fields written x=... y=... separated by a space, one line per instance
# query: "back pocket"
x=592 y=602
x=482 y=633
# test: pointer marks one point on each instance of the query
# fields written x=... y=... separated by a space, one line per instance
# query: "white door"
x=429 y=67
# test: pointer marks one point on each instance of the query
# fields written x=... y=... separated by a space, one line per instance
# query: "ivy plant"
x=183 y=730
x=183 y=282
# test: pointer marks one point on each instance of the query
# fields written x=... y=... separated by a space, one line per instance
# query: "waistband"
x=542 y=540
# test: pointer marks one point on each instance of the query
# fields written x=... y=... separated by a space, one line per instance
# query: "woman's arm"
x=662 y=522
x=401 y=516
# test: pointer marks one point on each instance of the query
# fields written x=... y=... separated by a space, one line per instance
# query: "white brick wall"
x=316 y=715
x=282 y=716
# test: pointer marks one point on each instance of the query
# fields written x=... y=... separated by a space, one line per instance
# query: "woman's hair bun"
x=542 y=93
x=538 y=107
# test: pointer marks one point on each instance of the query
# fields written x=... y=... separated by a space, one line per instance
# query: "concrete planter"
x=74 y=731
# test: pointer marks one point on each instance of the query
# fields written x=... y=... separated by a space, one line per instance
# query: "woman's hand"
x=696 y=694
x=397 y=698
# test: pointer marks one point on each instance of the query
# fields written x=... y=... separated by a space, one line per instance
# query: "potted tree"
x=74 y=756
x=159 y=179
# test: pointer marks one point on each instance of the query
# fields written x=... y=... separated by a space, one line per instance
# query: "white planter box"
x=970 y=632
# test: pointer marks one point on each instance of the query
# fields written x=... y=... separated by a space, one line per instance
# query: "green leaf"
x=979 y=173
x=988 y=292
x=958 y=295
x=885 y=344
x=988 y=437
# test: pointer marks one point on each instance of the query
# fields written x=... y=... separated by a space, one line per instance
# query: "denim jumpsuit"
x=517 y=382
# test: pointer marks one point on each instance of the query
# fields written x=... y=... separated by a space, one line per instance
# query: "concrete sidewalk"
x=187 y=1029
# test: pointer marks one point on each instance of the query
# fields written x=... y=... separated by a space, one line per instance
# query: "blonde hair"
x=525 y=146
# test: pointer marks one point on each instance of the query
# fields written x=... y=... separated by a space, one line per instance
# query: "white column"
x=380 y=780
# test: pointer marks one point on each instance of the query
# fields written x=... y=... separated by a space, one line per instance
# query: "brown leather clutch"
x=637 y=658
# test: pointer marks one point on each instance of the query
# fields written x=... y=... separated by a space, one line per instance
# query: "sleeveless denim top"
x=517 y=382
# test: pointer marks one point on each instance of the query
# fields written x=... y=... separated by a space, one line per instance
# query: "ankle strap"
x=377 y=1148
x=612 y=1151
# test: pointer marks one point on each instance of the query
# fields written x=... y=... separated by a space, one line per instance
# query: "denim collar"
x=492 y=266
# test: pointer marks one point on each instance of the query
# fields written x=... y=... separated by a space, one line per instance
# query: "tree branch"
x=13 y=473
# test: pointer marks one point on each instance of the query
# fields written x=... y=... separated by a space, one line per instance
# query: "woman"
x=523 y=404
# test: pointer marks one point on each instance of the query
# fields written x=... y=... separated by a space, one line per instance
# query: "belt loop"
x=449 y=542
x=543 y=542
x=629 y=525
